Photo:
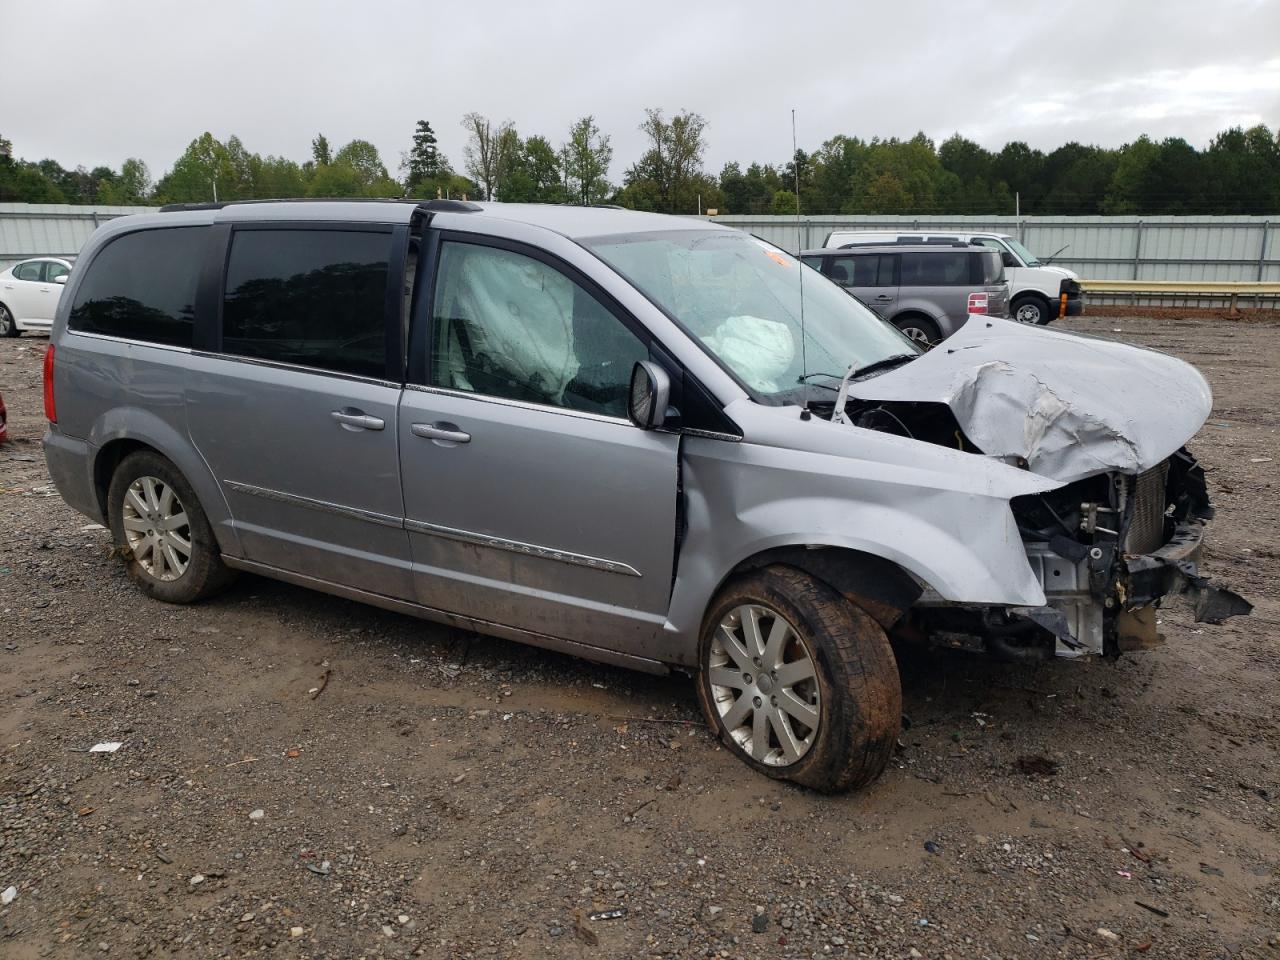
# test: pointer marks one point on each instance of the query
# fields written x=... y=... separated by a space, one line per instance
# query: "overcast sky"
x=103 y=81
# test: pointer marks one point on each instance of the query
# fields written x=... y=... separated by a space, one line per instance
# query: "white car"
x=1038 y=292
x=29 y=294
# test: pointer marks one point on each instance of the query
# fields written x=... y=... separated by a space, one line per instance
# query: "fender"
x=142 y=426
x=941 y=515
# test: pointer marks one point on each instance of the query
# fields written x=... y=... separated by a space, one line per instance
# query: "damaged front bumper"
x=1107 y=551
x=1129 y=551
x=1088 y=611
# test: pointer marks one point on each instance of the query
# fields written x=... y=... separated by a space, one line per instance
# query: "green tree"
x=131 y=186
x=488 y=151
x=423 y=162
x=671 y=164
x=194 y=175
x=320 y=153
x=587 y=156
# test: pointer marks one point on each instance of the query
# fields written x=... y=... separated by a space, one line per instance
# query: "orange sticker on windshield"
x=778 y=258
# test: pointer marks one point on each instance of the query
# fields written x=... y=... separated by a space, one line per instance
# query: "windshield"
x=741 y=297
x=1029 y=258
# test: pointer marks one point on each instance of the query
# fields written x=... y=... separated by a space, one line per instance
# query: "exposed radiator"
x=1146 y=530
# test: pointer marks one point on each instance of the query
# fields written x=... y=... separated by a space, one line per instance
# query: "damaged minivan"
x=645 y=440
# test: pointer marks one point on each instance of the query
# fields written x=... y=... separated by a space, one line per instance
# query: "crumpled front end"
x=1107 y=421
x=1108 y=550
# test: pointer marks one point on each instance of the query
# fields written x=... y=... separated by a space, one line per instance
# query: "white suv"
x=1038 y=292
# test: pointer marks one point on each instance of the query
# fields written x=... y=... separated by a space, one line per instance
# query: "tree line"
x=1238 y=172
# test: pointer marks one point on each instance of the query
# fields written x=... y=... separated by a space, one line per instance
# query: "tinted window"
x=27 y=271
x=52 y=271
x=944 y=268
x=865 y=270
x=143 y=286
x=316 y=298
x=511 y=326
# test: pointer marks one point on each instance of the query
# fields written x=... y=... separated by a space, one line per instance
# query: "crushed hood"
x=1071 y=406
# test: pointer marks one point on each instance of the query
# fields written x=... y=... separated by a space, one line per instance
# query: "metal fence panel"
x=51 y=229
x=1199 y=248
x=1098 y=248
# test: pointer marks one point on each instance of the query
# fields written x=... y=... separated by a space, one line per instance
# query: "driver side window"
x=511 y=326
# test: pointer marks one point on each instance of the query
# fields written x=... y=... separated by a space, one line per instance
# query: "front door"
x=530 y=499
x=295 y=410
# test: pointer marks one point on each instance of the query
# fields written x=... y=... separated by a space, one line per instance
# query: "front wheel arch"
x=875 y=585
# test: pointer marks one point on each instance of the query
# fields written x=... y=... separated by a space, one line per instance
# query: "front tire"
x=920 y=329
x=8 y=326
x=1033 y=311
x=162 y=533
x=798 y=682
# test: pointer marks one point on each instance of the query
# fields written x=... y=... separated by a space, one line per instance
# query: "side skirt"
x=583 y=650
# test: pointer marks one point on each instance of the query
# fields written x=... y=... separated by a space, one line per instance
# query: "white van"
x=1038 y=292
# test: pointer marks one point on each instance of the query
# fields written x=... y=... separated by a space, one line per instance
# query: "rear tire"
x=8 y=326
x=1031 y=310
x=832 y=662
x=162 y=533
x=920 y=329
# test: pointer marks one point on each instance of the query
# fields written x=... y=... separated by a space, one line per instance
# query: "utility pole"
x=215 y=190
x=1017 y=205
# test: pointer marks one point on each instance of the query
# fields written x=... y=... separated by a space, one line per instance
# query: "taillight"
x=977 y=303
x=50 y=410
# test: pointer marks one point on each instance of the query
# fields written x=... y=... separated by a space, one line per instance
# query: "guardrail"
x=1228 y=293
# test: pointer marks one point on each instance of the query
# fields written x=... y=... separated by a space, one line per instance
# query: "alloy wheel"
x=1028 y=313
x=156 y=528
x=916 y=334
x=6 y=322
x=764 y=685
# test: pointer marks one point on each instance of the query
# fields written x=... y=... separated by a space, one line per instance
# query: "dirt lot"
x=443 y=794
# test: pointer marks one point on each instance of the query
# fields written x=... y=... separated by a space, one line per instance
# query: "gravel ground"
x=304 y=776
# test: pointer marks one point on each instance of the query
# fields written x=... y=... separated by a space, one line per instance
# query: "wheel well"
x=104 y=467
x=878 y=586
x=1031 y=295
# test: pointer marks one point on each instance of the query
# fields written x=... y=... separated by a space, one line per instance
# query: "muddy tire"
x=798 y=682
x=161 y=532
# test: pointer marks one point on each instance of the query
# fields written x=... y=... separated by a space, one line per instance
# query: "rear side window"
x=941 y=269
x=27 y=271
x=315 y=298
x=989 y=267
x=142 y=286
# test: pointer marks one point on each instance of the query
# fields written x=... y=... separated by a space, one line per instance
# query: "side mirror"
x=61 y=278
x=1010 y=260
x=649 y=394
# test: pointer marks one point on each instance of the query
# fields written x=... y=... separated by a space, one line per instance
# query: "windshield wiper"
x=890 y=361
x=842 y=397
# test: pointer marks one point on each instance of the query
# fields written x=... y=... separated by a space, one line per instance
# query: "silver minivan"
x=925 y=290
x=646 y=440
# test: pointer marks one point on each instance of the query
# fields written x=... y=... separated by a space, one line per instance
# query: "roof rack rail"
x=221 y=204
x=449 y=206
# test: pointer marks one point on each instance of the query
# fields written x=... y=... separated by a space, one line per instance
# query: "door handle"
x=447 y=432
x=884 y=298
x=352 y=419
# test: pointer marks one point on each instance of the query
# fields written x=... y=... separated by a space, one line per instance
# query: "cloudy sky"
x=112 y=79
